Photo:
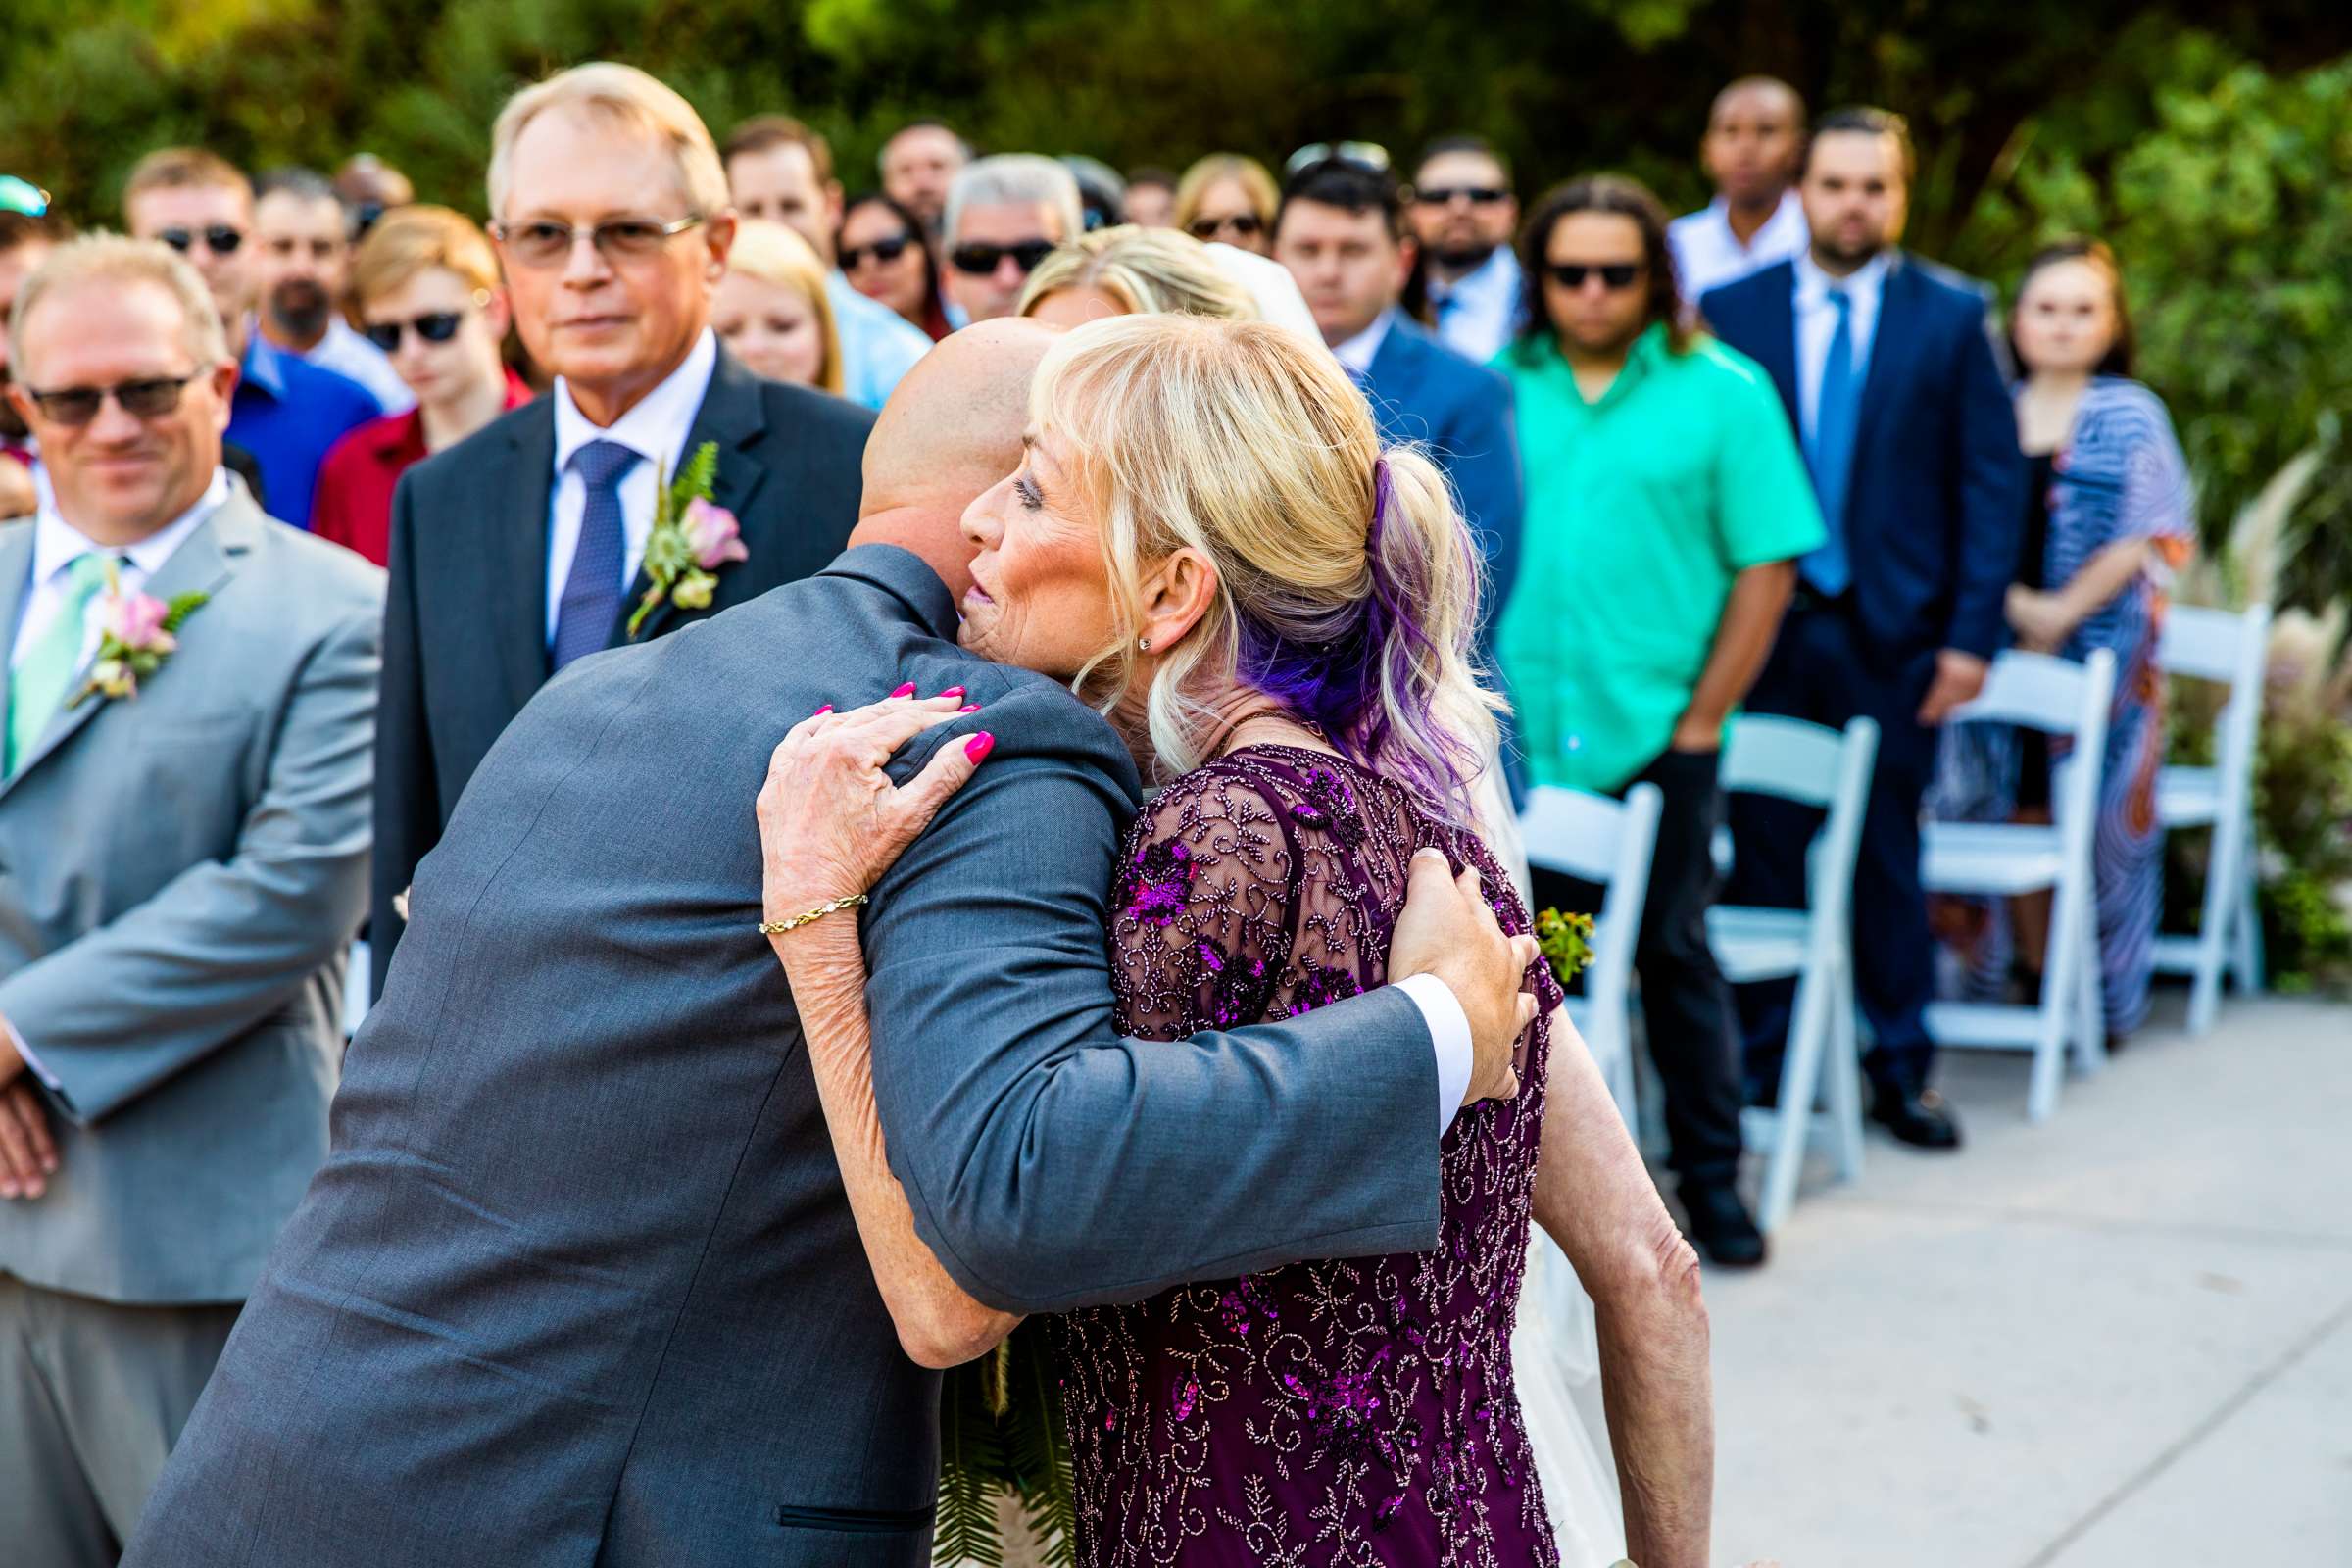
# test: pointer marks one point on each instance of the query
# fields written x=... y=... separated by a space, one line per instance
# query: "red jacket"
x=352 y=505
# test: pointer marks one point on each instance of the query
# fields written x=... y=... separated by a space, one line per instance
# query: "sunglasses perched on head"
x=1613 y=275
x=544 y=242
x=1246 y=224
x=433 y=327
x=888 y=248
x=149 y=399
x=981 y=260
x=219 y=238
x=1475 y=195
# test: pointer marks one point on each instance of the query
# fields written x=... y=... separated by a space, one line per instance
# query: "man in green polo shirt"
x=1666 y=506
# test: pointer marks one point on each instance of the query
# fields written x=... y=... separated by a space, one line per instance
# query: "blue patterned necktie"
x=592 y=594
x=1830 y=453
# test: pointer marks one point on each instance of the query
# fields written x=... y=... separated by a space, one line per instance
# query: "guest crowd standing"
x=1756 y=456
x=186 y=864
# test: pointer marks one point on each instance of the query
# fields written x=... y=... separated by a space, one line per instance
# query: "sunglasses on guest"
x=888 y=248
x=981 y=260
x=219 y=238
x=1242 y=226
x=1475 y=195
x=1614 y=276
x=433 y=327
x=149 y=399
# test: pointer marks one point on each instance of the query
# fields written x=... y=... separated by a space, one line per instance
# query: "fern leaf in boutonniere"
x=136 y=633
x=1566 y=943
x=692 y=539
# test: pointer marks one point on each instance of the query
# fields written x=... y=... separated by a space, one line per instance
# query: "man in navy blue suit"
x=1889 y=370
x=1340 y=231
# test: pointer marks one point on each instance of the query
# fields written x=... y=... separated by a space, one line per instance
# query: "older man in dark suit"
x=1889 y=376
x=523 y=547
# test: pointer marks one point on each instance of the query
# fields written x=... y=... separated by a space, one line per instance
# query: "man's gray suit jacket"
x=578 y=1283
x=181 y=873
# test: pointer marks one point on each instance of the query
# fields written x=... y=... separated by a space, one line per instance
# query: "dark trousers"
x=1685 y=1006
x=1823 y=669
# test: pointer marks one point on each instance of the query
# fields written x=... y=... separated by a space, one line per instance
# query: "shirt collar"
x=1788 y=213
x=1813 y=286
x=263 y=368
x=57 y=543
x=656 y=425
x=1359 y=351
x=1498 y=273
x=1643 y=357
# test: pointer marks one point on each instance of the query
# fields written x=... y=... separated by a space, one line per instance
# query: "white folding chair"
x=1794 y=761
x=2231 y=647
x=2000 y=859
x=1597 y=839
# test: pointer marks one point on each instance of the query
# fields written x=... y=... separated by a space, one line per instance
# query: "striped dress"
x=2120 y=475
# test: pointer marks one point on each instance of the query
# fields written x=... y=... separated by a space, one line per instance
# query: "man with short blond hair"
x=287 y=412
x=918 y=164
x=521 y=549
x=186 y=859
x=779 y=169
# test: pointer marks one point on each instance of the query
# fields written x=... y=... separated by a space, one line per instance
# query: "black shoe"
x=1719 y=1225
x=1922 y=1121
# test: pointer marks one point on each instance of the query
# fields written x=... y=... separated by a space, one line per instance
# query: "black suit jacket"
x=466 y=612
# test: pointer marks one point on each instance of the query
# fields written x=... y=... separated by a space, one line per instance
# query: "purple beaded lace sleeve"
x=1347 y=1412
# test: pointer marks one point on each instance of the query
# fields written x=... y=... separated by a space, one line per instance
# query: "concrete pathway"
x=2120 y=1339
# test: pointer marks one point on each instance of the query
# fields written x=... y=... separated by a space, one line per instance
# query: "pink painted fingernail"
x=979 y=746
x=906 y=690
x=970 y=708
x=822 y=712
x=952 y=691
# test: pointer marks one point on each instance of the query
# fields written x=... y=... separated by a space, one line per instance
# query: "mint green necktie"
x=38 y=684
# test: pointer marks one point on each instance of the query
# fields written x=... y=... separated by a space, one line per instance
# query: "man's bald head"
x=951 y=429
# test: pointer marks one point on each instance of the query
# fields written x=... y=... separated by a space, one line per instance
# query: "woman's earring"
x=1144 y=644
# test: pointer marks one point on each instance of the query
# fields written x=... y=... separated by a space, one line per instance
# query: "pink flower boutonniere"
x=134 y=638
x=691 y=539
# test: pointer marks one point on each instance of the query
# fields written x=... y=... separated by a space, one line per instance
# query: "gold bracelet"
x=776 y=928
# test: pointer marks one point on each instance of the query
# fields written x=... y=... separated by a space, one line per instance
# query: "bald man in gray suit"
x=580 y=1284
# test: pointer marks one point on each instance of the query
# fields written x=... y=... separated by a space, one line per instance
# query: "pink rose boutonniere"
x=692 y=539
x=135 y=635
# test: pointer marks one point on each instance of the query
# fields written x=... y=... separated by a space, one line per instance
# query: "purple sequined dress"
x=1355 y=1412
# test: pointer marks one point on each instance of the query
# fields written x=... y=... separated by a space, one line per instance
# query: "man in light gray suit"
x=183 y=858
x=580 y=1284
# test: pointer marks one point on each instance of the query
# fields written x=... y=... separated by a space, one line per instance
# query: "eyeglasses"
x=888 y=248
x=544 y=242
x=1475 y=195
x=434 y=326
x=1614 y=276
x=150 y=398
x=219 y=238
x=1363 y=154
x=981 y=260
x=1245 y=225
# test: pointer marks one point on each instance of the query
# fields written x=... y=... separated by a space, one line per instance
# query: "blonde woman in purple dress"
x=1205 y=539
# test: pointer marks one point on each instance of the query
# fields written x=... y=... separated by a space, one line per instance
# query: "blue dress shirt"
x=287 y=412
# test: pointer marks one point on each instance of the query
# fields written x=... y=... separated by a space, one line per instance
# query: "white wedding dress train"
x=1555 y=1356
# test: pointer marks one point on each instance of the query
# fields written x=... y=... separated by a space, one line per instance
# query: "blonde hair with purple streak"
x=1347 y=582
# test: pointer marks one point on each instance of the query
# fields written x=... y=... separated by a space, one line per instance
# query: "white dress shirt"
x=1708 y=255
x=655 y=428
x=1817 y=322
x=350 y=356
x=1357 y=353
x=56 y=544
x=1478 y=314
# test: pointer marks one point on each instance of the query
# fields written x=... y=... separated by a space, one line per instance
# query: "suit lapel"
x=519 y=544
x=16 y=577
x=1777 y=342
x=203 y=564
x=1891 y=342
x=733 y=415
x=1394 y=380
